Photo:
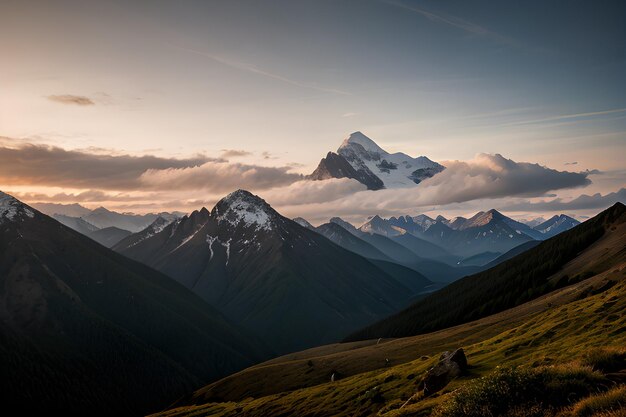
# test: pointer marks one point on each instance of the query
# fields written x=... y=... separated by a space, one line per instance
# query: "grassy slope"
x=557 y=327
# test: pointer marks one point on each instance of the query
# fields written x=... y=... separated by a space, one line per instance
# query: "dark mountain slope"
x=347 y=240
x=513 y=253
x=109 y=236
x=84 y=330
x=290 y=285
x=507 y=285
x=423 y=248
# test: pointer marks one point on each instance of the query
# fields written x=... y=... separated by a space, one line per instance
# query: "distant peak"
x=303 y=222
x=102 y=210
x=342 y=222
x=360 y=139
x=243 y=207
x=495 y=214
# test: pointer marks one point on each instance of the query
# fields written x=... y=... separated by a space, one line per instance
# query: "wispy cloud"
x=255 y=70
x=71 y=99
x=457 y=22
x=566 y=117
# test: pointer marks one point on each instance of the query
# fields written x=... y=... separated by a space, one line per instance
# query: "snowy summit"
x=243 y=207
x=11 y=209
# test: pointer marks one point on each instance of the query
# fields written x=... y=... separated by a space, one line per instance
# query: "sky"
x=115 y=103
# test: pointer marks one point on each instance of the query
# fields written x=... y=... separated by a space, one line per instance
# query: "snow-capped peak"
x=244 y=207
x=12 y=209
x=360 y=139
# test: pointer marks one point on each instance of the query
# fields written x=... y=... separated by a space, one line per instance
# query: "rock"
x=450 y=366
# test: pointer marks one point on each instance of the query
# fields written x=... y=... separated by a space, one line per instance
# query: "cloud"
x=566 y=117
x=349 y=114
x=492 y=176
x=71 y=99
x=583 y=202
x=234 y=153
x=571 y=163
x=484 y=177
x=307 y=192
x=53 y=166
x=89 y=196
x=218 y=176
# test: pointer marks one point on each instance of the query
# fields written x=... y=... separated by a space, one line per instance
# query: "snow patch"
x=242 y=207
x=11 y=208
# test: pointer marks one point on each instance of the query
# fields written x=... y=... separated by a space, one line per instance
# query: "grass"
x=606 y=360
x=557 y=334
x=607 y=403
x=507 y=391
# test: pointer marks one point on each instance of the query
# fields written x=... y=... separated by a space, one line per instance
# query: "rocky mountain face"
x=288 y=284
x=362 y=159
x=336 y=166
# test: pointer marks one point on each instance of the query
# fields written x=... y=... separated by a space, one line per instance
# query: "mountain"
x=101 y=217
x=457 y=223
x=513 y=253
x=408 y=254
x=337 y=234
x=533 y=222
x=483 y=258
x=423 y=248
x=556 y=225
x=76 y=223
x=288 y=284
x=392 y=250
x=155 y=227
x=406 y=223
x=362 y=159
x=72 y=210
x=508 y=284
x=423 y=221
x=336 y=166
x=72 y=214
x=108 y=236
x=84 y=330
x=304 y=223
x=489 y=231
x=380 y=226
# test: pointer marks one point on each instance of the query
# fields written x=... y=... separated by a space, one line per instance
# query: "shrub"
x=506 y=391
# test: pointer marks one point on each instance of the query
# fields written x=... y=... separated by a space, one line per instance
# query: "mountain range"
x=360 y=158
x=485 y=232
x=73 y=215
x=290 y=285
x=84 y=330
x=517 y=280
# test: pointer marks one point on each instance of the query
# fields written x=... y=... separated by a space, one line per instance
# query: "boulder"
x=450 y=366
